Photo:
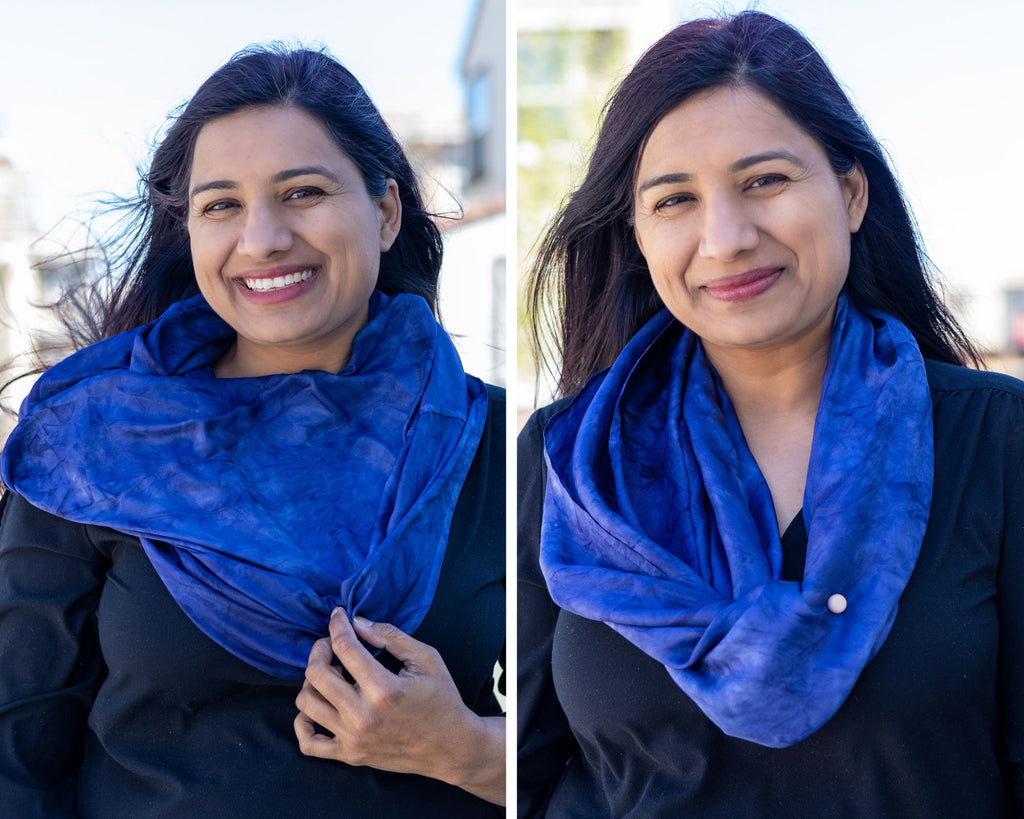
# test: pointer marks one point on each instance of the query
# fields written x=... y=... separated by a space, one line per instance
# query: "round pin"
x=837 y=604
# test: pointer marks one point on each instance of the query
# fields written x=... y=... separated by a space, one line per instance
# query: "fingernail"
x=362 y=620
x=338 y=612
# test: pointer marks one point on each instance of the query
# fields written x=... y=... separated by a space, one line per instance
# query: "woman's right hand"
x=411 y=722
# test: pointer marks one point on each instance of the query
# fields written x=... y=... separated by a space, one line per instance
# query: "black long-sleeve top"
x=113 y=704
x=933 y=728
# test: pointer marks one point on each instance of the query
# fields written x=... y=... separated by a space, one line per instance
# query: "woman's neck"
x=247 y=361
x=776 y=395
x=776 y=383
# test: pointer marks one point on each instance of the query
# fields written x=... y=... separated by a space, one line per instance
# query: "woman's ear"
x=855 y=189
x=390 y=205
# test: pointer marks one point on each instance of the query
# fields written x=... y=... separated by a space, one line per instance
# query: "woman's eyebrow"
x=664 y=179
x=280 y=176
x=738 y=165
x=305 y=170
x=756 y=159
x=217 y=184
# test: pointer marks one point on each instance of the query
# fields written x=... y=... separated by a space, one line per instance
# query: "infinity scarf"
x=263 y=503
x=658 y=522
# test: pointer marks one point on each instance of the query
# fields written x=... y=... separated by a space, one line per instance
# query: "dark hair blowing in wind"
x=590 y=290
x=156 y=268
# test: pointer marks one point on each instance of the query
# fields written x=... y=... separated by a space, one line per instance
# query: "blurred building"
x=20 y=287
x=34 y=271
x=570 y=55
x=16 y=277
x=460 y=162
x=1011 y=359
x=473 y=302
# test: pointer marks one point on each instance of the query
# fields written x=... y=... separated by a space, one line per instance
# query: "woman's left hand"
x=411 y=722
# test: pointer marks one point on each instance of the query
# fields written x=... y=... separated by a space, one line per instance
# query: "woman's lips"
x=278 y=285
x=744 y=286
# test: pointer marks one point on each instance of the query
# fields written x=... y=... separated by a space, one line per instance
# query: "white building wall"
x=473 y=295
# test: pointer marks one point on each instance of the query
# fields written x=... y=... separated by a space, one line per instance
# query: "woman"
x=771 y=557
x=251 y=559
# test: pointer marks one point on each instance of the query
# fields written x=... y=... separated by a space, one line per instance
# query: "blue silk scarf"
x=263 y=503
x=658 y=522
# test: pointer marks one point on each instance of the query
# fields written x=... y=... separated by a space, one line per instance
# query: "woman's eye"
x=767 y=181
x=305 y=193
x=220 y=206
x=671 y=201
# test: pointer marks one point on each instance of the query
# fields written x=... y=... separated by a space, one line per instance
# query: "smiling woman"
x=734 y=202
x=286 y=240
x=252 y=547
x=771 y=541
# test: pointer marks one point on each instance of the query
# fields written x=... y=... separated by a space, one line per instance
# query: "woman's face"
x=744 y=225
x=286 y=241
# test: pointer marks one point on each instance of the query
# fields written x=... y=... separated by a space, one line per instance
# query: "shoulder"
x=944 y=379
x=530 y=482
x=484 y=484
x=992 y=404
x=23 y=525
x=493 y=436
x=24 y=518
x=978 y=422
x=531 y=437
x=495 y=401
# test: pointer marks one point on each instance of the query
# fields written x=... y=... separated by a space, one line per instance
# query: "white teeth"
x=276 y=283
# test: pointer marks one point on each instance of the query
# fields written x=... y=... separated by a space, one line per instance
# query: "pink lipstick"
x=277 y=284
x=744 y=286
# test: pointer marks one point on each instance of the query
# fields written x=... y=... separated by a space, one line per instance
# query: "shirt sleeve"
x=546 y=743
x=1010 y=602
x=51 y=576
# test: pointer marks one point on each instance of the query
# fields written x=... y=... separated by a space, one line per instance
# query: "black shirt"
x=113 y=704
x=933 y=728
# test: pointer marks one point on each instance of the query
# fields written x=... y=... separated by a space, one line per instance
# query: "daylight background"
x=86 y=87
x=939 y=83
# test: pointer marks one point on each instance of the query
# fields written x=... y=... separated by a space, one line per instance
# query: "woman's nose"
x=264 y=233
x=728 y=230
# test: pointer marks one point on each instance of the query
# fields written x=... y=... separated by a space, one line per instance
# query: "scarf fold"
x=658 y=522
x=263 y=503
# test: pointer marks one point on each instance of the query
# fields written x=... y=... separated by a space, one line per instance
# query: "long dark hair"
x=154 y=267
x=589 y=289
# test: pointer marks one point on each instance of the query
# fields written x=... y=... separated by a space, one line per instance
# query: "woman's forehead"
x=721 y=127
x=264 y=135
